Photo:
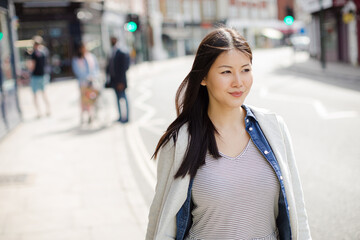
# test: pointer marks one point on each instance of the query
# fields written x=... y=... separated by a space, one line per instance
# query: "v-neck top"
x=235 y=198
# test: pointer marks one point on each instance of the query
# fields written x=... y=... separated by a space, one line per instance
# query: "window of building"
x=209 y=9
x=5 y=54
x=187 y=11
x=196 y=12
x=173 y=8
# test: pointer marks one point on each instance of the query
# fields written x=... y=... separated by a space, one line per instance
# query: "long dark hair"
x=192 y=101
x=78 y=46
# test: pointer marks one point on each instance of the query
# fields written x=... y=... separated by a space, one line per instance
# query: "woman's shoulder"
x=264 y=115
x=178 y=143
x=259 y=110
x=183 y=133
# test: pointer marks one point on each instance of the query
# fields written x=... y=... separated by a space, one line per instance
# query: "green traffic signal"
x=1 y=35
x=289 y=20
x=131 y=26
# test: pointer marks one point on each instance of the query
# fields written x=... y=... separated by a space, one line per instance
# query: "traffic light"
x=1 y=35
x=132 y=22
x=131 y=26
x=289 y=18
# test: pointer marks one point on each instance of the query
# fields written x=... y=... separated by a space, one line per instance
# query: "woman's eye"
x=225 y=72
x=246 y=70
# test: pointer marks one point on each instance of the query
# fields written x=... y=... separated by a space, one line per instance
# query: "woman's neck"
x=227 y=119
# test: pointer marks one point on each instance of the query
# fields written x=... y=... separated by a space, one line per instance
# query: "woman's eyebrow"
x=224 y=66
x=228 y=66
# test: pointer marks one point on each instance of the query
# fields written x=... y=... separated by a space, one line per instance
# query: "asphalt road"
x=323 y=120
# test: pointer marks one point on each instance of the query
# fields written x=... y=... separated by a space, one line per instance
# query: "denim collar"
x=249 y=113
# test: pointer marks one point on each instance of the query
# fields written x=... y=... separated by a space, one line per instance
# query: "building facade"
x=10 y=114
x=254 y=18
x=116 y=14
x=61 y=25
x=341 y=29
x=186 y=22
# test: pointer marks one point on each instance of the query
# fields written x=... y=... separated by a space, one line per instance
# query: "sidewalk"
x=62 y=181
x=340 y=74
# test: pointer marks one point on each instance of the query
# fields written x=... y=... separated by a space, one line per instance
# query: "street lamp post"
x=322 y=36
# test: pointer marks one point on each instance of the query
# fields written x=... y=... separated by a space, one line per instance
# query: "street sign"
x=348 y=17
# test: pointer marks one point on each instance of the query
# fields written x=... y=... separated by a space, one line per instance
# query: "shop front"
x=10 y=114
x=341 y=18
x=59 y=27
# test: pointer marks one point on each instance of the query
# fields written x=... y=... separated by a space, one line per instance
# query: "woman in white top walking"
x=225 y=170
x=86 y=69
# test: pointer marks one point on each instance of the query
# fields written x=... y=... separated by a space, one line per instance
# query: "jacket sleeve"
x=96 y=71
x=164 y=177
x=122 y=63
x=75 y=68
x=303 y=225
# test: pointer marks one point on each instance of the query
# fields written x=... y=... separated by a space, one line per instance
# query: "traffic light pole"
x=322 y=36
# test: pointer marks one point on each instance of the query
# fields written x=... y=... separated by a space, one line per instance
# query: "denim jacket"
x=170 y=212
x=183 y=217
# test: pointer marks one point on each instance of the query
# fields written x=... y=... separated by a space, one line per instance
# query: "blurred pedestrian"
x=226 y=170
x=38 y=78
x=86 y=69
x=117 y=66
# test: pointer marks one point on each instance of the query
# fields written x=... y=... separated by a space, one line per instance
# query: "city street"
x=62 y=181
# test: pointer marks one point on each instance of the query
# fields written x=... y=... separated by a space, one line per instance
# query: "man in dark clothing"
x=117 y=66
x=38 y=78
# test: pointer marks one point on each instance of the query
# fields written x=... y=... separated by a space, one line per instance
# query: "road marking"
x=323 y=113
x=136 y=143
x=133 y=196
x=146 y=121
x=142 y=157
x=140 y=102
x=317 y=105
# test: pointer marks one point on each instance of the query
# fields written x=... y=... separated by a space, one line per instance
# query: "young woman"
x=86 y=69
x=225 y=170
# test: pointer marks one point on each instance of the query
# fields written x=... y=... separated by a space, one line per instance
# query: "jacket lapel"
x=274 y=135
x=177 y=193
x=270 y=126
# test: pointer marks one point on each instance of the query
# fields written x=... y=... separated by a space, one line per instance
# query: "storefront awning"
x=272 y=33
x=177 y=33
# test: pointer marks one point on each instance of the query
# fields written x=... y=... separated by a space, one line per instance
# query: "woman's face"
x=229 y=80
x=82 y=50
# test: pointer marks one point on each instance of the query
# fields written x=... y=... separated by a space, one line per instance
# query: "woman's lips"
x=237 y=94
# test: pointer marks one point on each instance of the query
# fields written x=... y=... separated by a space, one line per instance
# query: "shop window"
x=5 y=54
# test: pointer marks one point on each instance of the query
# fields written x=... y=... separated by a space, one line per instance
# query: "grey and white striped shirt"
x=235 y=198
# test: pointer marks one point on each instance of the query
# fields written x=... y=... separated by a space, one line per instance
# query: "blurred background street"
x=63 y=180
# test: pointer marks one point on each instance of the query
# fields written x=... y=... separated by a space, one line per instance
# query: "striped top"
x=235 y=198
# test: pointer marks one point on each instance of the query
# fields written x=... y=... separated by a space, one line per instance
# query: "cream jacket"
x=170 y=193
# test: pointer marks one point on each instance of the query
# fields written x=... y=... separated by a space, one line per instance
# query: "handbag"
x=90 y=94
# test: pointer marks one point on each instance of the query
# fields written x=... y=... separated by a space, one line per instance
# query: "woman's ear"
x=203 y=82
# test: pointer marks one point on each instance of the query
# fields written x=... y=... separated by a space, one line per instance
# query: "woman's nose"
x=237 y=80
